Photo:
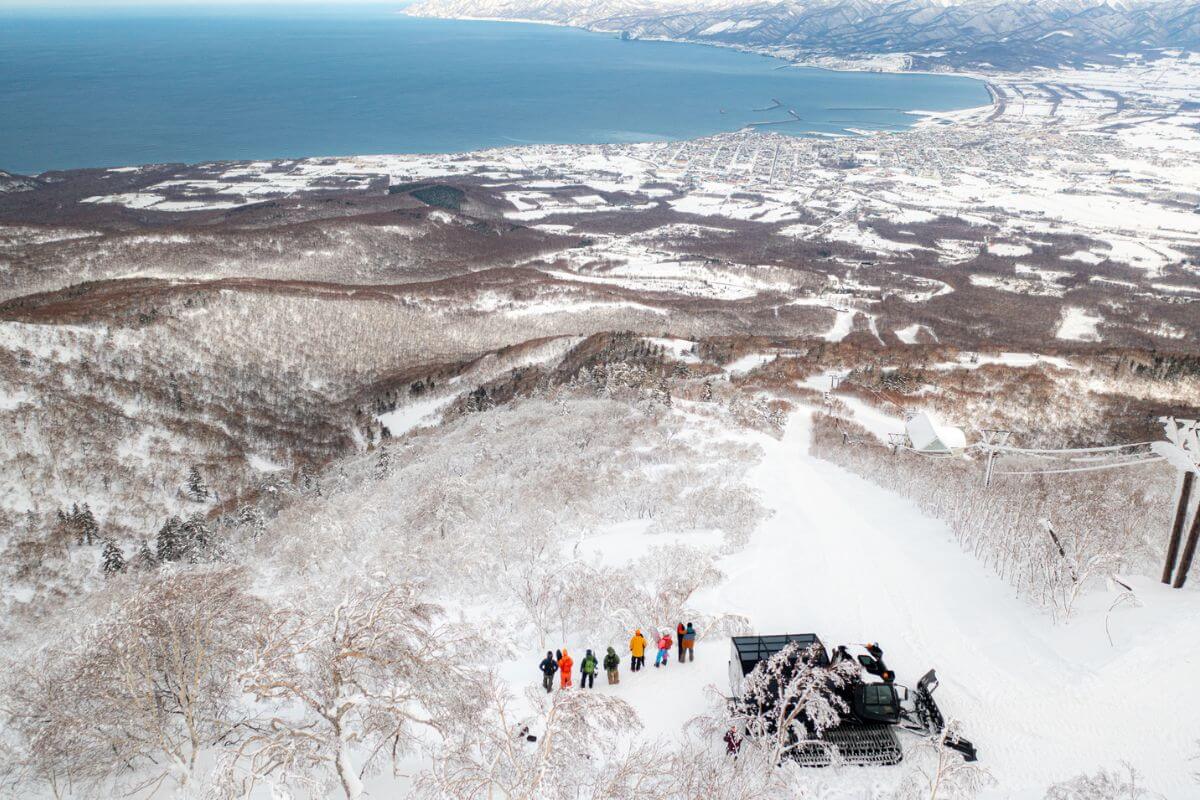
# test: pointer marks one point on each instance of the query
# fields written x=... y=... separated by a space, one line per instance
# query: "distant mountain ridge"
x=1003 y=33
x=11 y=182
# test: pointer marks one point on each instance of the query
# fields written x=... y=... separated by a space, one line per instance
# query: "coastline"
x=849 y=65
x=905 y=115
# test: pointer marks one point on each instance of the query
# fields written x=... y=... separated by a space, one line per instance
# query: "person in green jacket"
x=587 y=671
x=611 y=662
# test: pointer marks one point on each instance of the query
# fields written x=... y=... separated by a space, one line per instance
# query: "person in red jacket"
x=564 y=669
x=664 y=650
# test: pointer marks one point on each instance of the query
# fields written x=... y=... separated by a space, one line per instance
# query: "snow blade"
x=963 y=746
x=932 y=720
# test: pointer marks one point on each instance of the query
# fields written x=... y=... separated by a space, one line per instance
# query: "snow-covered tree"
x=310 y=481
x=40 y=752
x=701 y=766
x=662 y=392
x=113 y=559
x=197 y=490
x=169 y=542
x=350 y=683
x=1117 y=784
x=383 y=463
x=670 y=576
x=138 y=694
x=195 y=539
x=145 y=558
x=576 y=750
x=790 y=699
x=79 y=524
x=531 y=576
x=940 y=773
x=89 y=531
x=251 y=519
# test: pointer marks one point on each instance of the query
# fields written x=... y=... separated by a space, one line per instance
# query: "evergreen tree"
x=195 y=539
x=663 y=393
x=145 y=557
x=85 y=523
x=79 y=523
x=64 y=529
x=169 y=544
x=114 y=561
x=479 y=400
x=383 y=463
x=196 y=488
x=309 y=482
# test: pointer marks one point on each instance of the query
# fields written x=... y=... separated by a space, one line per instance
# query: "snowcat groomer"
x=877 y=705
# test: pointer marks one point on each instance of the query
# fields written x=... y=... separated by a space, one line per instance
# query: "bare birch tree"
x=138 y=694
x=940 y=772
x=1117 y=784
x=349 y=684
x=574 y=752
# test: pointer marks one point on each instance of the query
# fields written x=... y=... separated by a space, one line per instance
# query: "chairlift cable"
x=1040 y=451
x=1084 y=469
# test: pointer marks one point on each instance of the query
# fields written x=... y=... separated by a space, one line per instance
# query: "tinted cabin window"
x=878 y=700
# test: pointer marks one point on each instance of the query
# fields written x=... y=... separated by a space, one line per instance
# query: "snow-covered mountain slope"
x=853 y=562
x=1006 y=34
x=579 y=489
x=16 y=183
x=858 y=563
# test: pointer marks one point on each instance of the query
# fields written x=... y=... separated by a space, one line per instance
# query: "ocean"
x=83 y=88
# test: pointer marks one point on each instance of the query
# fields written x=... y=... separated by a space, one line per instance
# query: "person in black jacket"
x=612 y=662
x=548 y=666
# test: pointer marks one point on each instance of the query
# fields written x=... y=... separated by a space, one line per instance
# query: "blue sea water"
x=92 y=89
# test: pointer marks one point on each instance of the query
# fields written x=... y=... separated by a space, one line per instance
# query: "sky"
x=101 y=4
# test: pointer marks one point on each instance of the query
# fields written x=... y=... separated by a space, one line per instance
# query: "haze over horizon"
x=58 y=5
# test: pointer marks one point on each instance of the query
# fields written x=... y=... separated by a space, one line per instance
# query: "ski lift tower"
x=1181 y=449
x=992 y=439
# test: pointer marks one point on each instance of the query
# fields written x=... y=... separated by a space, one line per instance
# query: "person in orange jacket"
x=637 y=650
x=664 y=650
x=679 y=632
x=564 y=669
